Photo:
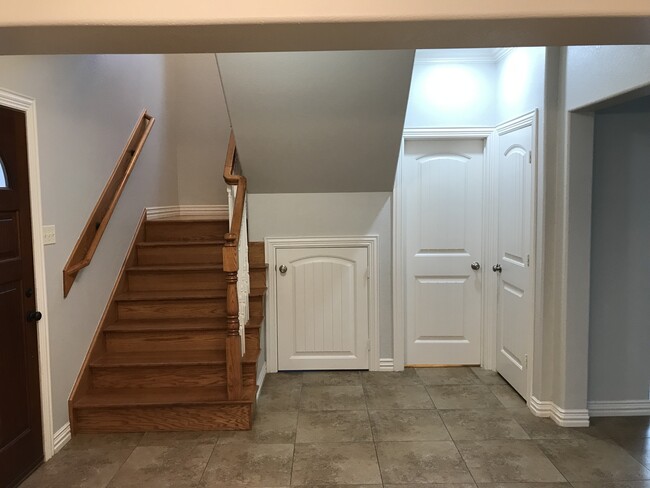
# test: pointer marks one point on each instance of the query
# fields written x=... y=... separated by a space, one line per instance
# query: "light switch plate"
x=49 y=235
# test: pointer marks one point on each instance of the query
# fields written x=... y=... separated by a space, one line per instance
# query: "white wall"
x=588 y=76
x=201 y=126
x=86 y=108
x=318 y=122
x=452 y=94
x=332 y=214
x=619 y=335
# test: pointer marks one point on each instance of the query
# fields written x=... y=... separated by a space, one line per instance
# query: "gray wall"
x=619 y=331
x=332 y=214
x=318 y=122
x=86 y=108
x=201 y=128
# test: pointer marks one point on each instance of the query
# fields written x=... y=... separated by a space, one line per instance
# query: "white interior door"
x=322 y=308
x=442 y=183
x=515 y=312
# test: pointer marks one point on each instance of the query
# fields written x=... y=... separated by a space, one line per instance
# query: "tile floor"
x=460 y=427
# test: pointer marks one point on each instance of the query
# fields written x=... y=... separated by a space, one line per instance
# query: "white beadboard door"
x=322 y=308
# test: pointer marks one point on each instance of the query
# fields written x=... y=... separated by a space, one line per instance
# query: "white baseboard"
x=62 y=437
x=260 y=379
x=561 y=416
x=213 y=211
x=386 y=364
x=619 y=408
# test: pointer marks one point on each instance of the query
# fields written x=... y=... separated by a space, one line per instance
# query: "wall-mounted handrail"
x=84 y=250
x=231 y=260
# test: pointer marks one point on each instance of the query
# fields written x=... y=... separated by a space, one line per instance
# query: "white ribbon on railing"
x=243 y=274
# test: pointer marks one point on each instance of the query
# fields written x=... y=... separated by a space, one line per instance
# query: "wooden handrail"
x=84 y=250
x=234 y=379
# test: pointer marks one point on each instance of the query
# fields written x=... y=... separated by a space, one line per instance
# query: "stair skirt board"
x=157 y=361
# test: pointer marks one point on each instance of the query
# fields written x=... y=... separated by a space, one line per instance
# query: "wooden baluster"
x=234 y=379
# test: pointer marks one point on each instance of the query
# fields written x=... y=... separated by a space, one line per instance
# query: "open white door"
x=442 y=184
x=515 y=311
x=322 y=308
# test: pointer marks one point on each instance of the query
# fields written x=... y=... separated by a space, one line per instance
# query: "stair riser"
x=258 y=278
x=176 y=376
x=149 y=256
x=171 y=419
x=171 y=309
x=198 y=340
x=157 y=231
x=176 y=280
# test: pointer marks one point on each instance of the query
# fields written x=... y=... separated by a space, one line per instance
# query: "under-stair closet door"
x=322 y=308
x=442 y=183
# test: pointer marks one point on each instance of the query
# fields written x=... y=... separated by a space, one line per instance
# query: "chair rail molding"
x=370 y=242
x=28 y=106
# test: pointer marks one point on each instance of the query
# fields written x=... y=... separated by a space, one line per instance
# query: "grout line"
x=205 y=468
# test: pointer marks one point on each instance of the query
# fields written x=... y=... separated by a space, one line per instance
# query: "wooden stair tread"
x=190 y=220
x=216 y=243
x=160 y=358
x=186 y=267
x=166 y=325
x=179 y=295
x=141 y=397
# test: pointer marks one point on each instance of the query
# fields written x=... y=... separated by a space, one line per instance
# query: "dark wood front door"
x=21 y=438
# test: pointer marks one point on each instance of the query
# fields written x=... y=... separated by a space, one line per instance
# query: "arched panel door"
x=322 y=307
x=443 y=192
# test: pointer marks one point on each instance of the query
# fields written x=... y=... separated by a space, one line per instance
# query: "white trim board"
x=386 y=364
x=370 y=242
x=170 y=211
x=488 y=328
x=62 y=437
x=28 y=106
x=561 y=416
x=260 y=380
x=618 y=408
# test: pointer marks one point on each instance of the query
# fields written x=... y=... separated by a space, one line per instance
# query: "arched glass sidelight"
x=3 y=175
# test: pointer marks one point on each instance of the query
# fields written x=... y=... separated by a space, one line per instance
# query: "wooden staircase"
x=158 y=361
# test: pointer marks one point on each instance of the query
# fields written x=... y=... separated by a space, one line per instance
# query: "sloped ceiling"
x=318 y=122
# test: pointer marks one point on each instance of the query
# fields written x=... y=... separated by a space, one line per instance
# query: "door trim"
x=271 y=244
x=536 y=242
x=27 y=105
x=488 y=309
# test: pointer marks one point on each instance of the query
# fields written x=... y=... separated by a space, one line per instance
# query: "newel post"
x=233 y=340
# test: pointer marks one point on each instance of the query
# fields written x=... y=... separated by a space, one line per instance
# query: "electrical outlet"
x=49 y=235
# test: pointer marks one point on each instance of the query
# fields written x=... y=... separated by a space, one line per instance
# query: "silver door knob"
x=497 y=268
x=476 y=266
x=283 y=269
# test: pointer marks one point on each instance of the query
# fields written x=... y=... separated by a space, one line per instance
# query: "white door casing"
x=515 y=246
x=442 y=185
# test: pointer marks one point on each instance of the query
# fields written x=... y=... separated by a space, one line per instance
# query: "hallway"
x=442 y=425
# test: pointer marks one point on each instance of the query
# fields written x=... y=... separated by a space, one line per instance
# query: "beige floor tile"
x=175 y=438
x=282 y=380
x=507 y=395
x=279 y=399
x=89 y=468
x=245 y=464
x=103 y=441
x=268 y=428
x=508 y=460
x=315 y=398
x=334 y=463
x=179 y=466
x=482 y=424
x=397 y=397
x=334 y=426
x=447 y=376
x=408 y=425
x=331 y=378
x=463 y=397
x=421 y=462
x=593 y=460
x=488 y=377
x=408 y=377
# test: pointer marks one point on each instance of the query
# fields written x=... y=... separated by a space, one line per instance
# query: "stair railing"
x=88 y=241
x=235 y=267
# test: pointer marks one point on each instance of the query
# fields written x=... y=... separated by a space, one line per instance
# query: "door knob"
x=476 y=266
x=497 y=268
x=283 y=269
x=34 y=316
